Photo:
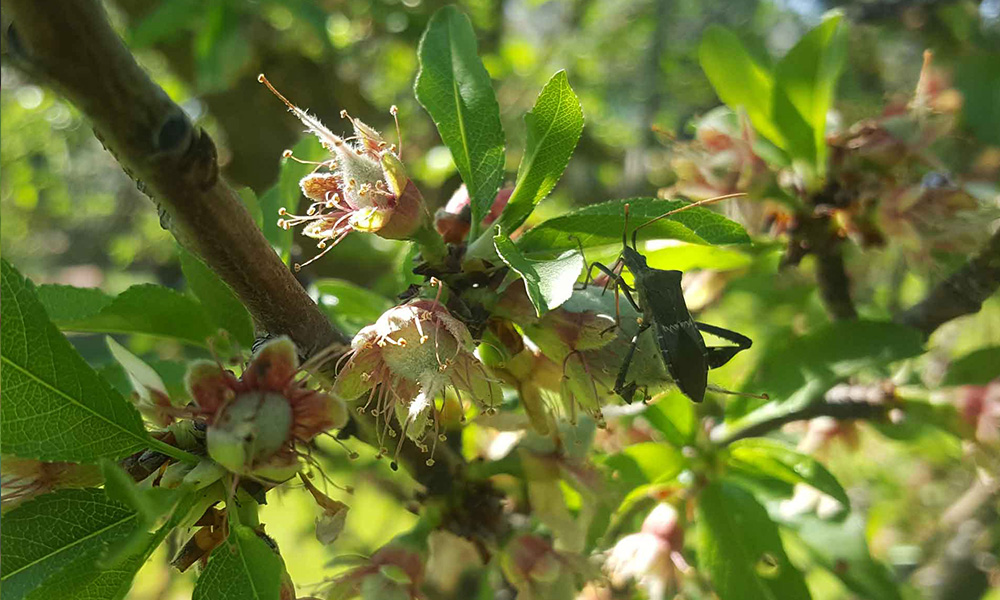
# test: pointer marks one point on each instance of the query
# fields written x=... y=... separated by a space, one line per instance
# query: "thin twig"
x=838 y=410
x=962 y=293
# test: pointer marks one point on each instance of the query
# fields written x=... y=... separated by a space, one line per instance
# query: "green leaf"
x=738 y=79
x=249 y=198
x=687 y=257
x=841 y=548
x=90 y=577
x=143 y=378
x=805 y=80
x=244 y=568
x=648 y=462
x=771 y=458
x=169 y=19
x=222 y=52
x=55 y=407
x=793 y=368
x=978 y=78
x=549 y=283
x=976 y=368
x=739 y=547
x=146 y=308
x=349 y=305
x=44 y=536
x=64 y=303
x=455 y=89
x=674 y=416
x=151 y=505
x=601 y=225
x=221 y=304
x=554 y=126
x=797 y=371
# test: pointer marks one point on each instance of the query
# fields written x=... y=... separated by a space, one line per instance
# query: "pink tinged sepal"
x=210 y=386
x=316 y=412
x=273 y=367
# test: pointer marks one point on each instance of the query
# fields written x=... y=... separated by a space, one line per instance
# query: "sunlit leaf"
x=349 y=305
x=771 y=458
x=220 y=303
x=55 y=407
x=739 y=547
x=674 y=416
x=549 y=283
x=145 y=308
x=244 y=568
x=601 y=225
x=794 y=367
x=738 y=79
x=455 y=89
x=52 y=532
x=554 y=127
x=805 y=81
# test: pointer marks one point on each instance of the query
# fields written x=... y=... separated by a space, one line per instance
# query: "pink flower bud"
x=452 y=221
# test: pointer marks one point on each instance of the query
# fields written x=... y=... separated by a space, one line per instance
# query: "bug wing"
x=684 y=353
x=677 y=336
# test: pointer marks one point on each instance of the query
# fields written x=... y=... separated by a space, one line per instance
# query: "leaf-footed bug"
x=661 y=303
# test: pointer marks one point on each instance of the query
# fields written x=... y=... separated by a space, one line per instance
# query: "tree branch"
x=850 y=410
x=75 y=50
x=963 y=293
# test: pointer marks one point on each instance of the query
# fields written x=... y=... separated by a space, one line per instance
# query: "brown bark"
x=74 y=50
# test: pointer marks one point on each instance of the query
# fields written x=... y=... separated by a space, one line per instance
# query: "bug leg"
x=720 y=355
x=603 y=269
x=623 y=390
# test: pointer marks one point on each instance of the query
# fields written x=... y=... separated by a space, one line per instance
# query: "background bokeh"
x=70 y=215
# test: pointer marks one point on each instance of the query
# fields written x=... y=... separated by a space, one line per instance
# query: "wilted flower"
x=365 y=187
x=24 y=478
x=405 y=360
x=935 y=215
x=331 y=523
x=255 y=420
x=651 y=556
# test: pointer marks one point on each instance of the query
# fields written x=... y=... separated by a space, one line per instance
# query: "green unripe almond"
x=250 y=429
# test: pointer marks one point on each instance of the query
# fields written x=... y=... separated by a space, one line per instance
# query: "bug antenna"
x=722 y=390
x=687 y=207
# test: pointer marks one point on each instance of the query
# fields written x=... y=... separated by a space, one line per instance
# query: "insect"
x=661 y=304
